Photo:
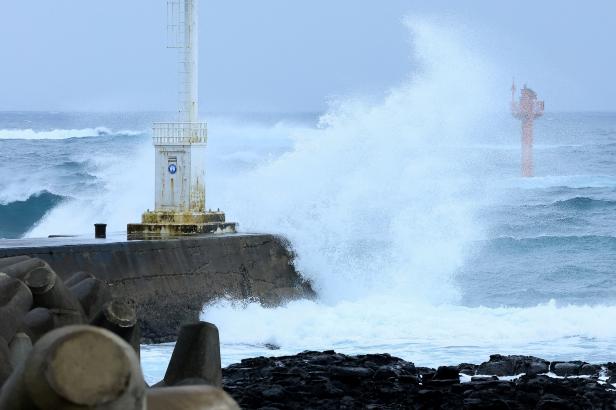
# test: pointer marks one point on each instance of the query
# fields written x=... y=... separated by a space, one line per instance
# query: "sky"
x=290 y=55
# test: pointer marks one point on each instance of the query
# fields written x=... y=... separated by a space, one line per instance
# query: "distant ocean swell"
x=551 y=241
x=584 y=203
x=58 y=134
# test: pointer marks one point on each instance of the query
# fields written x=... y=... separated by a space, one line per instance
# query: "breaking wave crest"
x=17 y=217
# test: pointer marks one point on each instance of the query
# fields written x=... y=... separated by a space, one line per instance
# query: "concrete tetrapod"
x=77 y=277
x=20 y=269
x=5 y=361
x=49 y=291
x=19 y=349
x=41 y=320
x=11 y=260
x=119 y=316
x=15 y=302
x=196 y=357
x=92 y=294
x=77 y=367
x=190 y=398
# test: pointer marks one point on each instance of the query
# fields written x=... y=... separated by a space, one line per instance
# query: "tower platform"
x=171 y=224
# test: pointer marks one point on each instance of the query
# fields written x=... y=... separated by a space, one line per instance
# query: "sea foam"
x=381 y=205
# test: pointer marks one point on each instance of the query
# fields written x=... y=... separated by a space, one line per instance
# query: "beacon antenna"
x=182 y=35
x=526 y=110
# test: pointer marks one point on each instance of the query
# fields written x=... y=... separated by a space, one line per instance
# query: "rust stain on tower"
x=526 y=110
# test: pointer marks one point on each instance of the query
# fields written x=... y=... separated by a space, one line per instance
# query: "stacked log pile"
x=70 y=345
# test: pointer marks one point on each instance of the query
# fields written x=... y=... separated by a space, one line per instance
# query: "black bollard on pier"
x=100 y=231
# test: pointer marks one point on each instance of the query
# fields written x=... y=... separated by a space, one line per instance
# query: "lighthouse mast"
x=526 y=110
x=180 y=146
x=189 y=59
x=179 y=199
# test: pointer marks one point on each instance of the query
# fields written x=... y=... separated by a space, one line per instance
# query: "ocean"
x=434 y=267
x=406 y=211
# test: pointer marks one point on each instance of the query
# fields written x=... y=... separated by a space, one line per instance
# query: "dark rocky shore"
x=329 y=380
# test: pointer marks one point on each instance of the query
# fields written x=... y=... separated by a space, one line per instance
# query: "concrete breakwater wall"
x=171 y=280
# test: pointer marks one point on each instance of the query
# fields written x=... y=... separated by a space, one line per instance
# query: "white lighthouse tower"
x=179 y=203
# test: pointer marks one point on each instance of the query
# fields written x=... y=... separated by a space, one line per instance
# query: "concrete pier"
x=171 y=280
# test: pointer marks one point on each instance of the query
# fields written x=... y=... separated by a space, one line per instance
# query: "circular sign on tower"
x=172 y=168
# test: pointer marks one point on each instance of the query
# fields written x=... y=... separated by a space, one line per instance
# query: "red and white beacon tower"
x=526 y=110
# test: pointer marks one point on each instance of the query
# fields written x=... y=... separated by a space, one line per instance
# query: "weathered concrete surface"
x=172 y=279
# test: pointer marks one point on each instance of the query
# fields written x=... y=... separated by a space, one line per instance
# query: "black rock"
x=566 y=368
x=499 y=365
x=329 y=380
x=447 y=373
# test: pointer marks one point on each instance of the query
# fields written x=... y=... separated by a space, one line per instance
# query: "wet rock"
x=350 y=374
x=447 y=373
x=467 y=368
x=484 y=378
x=328 y=380
x=566 y=368
x=385 y=373
x=590 y=370
x=500 y=365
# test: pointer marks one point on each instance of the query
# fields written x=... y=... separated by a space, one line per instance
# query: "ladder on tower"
x=176 y=24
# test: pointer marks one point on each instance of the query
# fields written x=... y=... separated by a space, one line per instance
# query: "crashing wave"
x=17 y=217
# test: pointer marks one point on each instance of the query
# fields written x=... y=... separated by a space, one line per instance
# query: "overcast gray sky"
x=289 y=55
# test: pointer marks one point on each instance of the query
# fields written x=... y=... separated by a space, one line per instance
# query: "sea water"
x=407 y=213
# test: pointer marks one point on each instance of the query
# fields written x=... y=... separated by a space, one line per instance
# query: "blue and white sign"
x=172 y=168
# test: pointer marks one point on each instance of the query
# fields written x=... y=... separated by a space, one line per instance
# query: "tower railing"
x=179 y=133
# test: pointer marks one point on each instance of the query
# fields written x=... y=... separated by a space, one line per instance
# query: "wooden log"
x=196 y=356
x=15 y=302
x=49 y=291
x=120 y=316
x=77 y=367
x=92 y=294
x=19 y=348
x=190 y=398
x=11 y=260
x=77 y=277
